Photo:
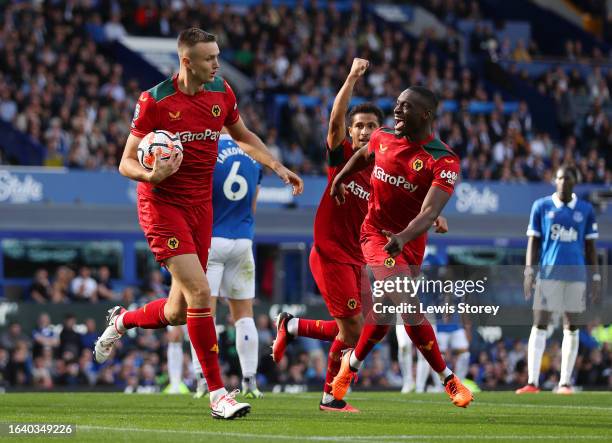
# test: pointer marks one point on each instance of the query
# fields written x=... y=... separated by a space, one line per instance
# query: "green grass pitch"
x=384 y=417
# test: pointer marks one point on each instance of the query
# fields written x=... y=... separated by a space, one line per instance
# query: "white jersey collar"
x=558 y=203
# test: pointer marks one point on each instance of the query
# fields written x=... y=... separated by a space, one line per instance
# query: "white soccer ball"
x=164 y=140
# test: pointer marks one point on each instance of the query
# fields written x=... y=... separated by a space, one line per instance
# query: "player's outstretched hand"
x=395 y=244
x=290 y=178
x=163 y=169
x=337 y=191
x=359 y=67
x=441 y=225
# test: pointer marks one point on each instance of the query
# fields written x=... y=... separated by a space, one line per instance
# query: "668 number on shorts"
x=164 y=140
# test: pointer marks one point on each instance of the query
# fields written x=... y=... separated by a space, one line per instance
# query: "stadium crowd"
x=60 y=86
x=581 y=94
x=56 y=355
x=89 y=286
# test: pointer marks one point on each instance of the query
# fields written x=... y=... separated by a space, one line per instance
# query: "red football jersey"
x=337 y=227
x=402 y=175
x=198 y=119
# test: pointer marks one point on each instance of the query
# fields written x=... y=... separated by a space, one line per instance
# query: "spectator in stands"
x=89 y=338
x=113 y=29
x=127 y=296
x=272 y=144
x=58 y=105
x=104 y=285
x=61 y=284
x=41 y=374
x=4 y=361
x=40 y=290
x=155 y=286
x=84 y=287
x=520 y=53
x=87 y=367
x=44 y=336
x=18 y=369
x=294 y=158
x=70 y=340
x=13 y=336
x=8 y=107
x=106 y=377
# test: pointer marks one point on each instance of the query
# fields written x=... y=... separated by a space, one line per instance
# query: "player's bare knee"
x=199 y=296
x=176 y=317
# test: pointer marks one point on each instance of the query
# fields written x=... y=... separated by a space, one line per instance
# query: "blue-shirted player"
x=231 y=268
x=562 y=232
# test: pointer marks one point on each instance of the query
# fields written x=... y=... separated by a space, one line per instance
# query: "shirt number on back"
x=234 y=179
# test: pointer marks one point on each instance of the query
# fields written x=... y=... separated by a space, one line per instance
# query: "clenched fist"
x=359 y=67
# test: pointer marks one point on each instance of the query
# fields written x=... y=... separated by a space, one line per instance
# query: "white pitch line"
x=509 y=405
x=336 y=438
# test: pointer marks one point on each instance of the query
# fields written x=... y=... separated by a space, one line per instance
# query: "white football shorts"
x=231 y=268
x=560 y=296
x=454 y=340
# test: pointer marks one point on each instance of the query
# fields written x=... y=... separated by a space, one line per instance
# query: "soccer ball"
x=164 y=140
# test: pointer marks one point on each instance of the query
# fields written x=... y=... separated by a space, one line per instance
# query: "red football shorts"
x=381 y=263
x=176 y=230
x=339 y=284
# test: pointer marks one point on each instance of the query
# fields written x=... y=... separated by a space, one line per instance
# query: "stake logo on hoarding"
x=473 y=201
x=14 y=190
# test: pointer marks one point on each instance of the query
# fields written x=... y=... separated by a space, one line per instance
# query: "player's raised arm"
x=336 y=131
x=360 y=160
x=130 y=166
x=432 y=206
x=250 y=143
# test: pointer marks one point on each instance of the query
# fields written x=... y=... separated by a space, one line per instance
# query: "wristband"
x=529 y=271
x=596 y=277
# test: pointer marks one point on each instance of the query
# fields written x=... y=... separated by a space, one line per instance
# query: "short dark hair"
x=568 y=167
x=190 y=37
x=366 y=108
x=429 y=98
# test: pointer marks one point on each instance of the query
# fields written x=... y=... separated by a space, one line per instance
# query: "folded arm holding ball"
x=131 y=168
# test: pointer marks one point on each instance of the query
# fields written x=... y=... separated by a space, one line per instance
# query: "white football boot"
x=228 y=408
x=104 y=344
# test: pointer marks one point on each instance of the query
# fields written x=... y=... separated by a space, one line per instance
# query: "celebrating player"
x=413 y=178
x=562 y=232
x=336 y=258
x=174 y=201
x=231 y=268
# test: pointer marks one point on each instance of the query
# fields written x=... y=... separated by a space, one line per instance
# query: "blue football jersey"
x=563 y=229
x=235 y=181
